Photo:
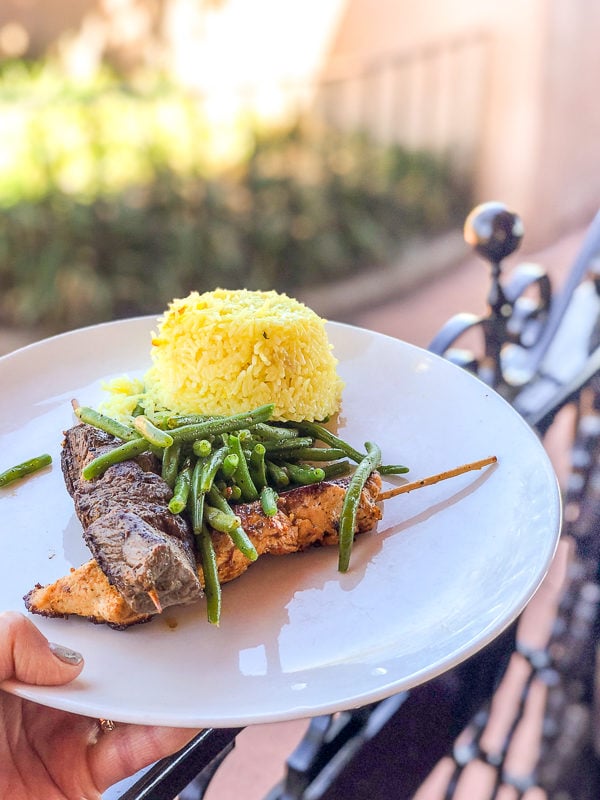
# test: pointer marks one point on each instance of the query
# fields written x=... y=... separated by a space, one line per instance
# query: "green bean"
x=123 y=452
x=277 y=474
x=159 y=418
x=104 y=423
x=268 y=501
x=216 y=499
x=351 y=501
x=243 y=543
x=267 y=431
x=287 y=445
x=257 y=466
x=327 y=437
x=170 y=463
x=336 y=469
x=211 y=467
x=235 y=493
x=177 y=420
x=158 y=452
x=202 y=448
x=229 y=465
x=318 y=454
x=392 y=469
x=303 y=474
x=24 y=468
x=213 y=427
x=212 y=587
x=196 y=498
x=238 y=536
x=151 y=433
x=221 y=520
x=182 y=489
x=242 y=473
x=229 y=491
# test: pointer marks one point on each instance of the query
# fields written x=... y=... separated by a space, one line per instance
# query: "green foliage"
x=113 y=201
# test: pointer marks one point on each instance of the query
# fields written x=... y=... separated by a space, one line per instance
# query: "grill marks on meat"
x=144 y=550
x=306 y=516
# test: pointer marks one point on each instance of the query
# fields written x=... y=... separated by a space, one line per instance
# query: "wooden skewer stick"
x=441 y=476
x=153 y=595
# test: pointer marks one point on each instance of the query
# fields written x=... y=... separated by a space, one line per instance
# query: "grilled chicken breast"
x=306 y=516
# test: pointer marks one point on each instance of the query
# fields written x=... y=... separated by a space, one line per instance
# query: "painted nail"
x=65 y=654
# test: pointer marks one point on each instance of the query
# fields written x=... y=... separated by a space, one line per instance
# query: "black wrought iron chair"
x=540 y=349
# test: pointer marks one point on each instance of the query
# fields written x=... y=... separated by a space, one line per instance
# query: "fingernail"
x=65 y=654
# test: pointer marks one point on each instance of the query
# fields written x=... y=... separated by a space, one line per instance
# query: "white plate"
x=447 y=569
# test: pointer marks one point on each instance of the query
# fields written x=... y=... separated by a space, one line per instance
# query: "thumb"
x=26 y=654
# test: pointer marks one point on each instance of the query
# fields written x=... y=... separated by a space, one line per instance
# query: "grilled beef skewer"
x=306 y=516
x=146 y=552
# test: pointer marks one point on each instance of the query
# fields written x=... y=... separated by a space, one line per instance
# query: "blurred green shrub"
x=115 y=200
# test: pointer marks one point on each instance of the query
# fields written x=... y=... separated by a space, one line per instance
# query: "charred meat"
x=146 y=552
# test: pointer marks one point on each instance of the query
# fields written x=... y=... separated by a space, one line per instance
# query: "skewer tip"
x=441 y=476
x=153 y=595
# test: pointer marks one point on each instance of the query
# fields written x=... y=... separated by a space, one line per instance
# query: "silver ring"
x=106 y=725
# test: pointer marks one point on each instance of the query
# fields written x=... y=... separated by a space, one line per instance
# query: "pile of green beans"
x=212 y=463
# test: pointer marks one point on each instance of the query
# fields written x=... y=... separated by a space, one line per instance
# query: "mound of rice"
x=222 y=352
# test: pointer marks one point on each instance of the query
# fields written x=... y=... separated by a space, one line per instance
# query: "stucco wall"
x=568 y=155
x=538 y=145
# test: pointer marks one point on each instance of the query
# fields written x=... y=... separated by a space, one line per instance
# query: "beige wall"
x=538 y=146
x=568 y=155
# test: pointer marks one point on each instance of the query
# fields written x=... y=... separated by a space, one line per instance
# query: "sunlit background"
x=151 y=148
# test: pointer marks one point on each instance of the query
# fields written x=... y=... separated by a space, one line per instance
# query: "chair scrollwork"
x=535 y=339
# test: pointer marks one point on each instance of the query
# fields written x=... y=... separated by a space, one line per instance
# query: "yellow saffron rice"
x=222 y=352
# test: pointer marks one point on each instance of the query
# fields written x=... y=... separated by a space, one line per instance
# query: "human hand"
x=55 y=755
